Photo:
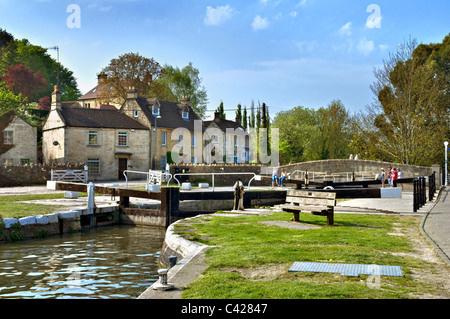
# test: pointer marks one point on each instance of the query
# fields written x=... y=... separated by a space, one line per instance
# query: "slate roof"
x=98 y=118
x=96 y=92
x=170 y=113
x=223 y=124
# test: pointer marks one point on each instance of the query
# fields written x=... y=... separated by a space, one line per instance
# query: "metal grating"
x=352 y=270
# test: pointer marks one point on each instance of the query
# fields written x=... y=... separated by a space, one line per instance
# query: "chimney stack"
x=132 y=93
x=102 y=78
x=216 y=116
x=56 y=99
x=185 y=100
x=238 y=119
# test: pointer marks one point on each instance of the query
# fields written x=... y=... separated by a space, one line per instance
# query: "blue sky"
x=285 y=53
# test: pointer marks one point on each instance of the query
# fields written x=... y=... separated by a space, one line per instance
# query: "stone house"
x=106 y=140
x=229 y=139
x=177 y=131
x=18 y=140
x=100 y=96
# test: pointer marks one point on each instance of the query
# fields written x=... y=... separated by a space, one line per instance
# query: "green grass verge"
x=12 y=206
x=251 y=260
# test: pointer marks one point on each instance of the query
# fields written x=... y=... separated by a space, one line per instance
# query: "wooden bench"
x=318 y=203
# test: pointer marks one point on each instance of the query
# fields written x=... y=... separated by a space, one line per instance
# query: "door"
x=123 y=166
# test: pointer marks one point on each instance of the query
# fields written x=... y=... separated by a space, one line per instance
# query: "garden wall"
x=33 y=174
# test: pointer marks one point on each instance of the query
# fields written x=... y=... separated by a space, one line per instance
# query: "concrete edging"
x=186 y=270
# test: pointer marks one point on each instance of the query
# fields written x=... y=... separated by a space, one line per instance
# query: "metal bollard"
x=162 y=284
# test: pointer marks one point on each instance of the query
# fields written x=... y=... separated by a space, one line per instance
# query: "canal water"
x=104 y=263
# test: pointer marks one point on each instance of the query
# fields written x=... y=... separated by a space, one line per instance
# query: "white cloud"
x=293 y=14
x=365 y=47
x=217 y=16
x=383 y=47
x=260 y=23
x=346 y=29
x=302 y=3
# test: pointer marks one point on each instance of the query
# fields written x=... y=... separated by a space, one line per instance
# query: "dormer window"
x=156 y=109
x=185 y=113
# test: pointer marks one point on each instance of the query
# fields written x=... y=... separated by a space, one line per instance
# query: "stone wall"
x=359 y=166
x=34 y=174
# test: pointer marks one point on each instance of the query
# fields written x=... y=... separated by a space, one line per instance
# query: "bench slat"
x=309 y=194
x=310 y=201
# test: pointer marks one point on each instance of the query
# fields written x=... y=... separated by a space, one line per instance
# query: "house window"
x=193 y=140
x=93 y=166
x=194 y=160
x=8 y=138
x=163 y=138
x=24 y=161
x=135 y=113
x=180 y=138
x=215 y=139
x=156 y=108
x=93 y=138
x=185 y=114
x=163 y=162
x=123 y=139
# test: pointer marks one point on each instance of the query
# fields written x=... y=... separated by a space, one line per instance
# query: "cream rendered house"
x=177 y=131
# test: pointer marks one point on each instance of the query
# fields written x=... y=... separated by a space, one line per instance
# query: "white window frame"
x=180 y=139
x=97 y=135
x=163 y=138
x=8 y=137
x=122 y=134
x=156 y=110
x=135 y=113
x=92 y=161
x=185 y=114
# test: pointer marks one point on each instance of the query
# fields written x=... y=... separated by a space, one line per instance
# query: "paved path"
x=437 y=225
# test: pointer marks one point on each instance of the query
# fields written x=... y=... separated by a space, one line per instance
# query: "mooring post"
x=169 y=203
x=91 y=202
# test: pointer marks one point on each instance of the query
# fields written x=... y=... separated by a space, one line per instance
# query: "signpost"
x=446 y=172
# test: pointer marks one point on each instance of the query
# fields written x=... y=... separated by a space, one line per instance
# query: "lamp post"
x=154 y=164
x=446 y=172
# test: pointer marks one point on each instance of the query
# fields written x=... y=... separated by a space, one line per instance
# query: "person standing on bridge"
x=394 y=177
x=382 y=177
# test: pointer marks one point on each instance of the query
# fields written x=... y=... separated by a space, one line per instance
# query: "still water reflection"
x=112 y=262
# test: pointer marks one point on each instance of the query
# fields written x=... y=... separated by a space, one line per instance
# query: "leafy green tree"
x=411 y=112
x=334 y=123
x=186 y=82
x=132 y=70
x=9 y=100
x=239 y=112
x=37 y=59
x=244 y=119
x=221 y=111
x=299 y=135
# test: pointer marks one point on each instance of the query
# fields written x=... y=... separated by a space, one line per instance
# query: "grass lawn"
x=251 y=259
x=12 y=206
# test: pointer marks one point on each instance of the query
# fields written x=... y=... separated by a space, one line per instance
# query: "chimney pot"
x=56 y=99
